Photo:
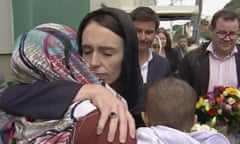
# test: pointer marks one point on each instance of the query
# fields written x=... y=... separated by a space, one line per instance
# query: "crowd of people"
x=117 y=79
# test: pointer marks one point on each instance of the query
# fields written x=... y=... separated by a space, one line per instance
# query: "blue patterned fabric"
x=49 y=52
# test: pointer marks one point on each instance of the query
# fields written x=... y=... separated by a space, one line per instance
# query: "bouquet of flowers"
x=221 y=105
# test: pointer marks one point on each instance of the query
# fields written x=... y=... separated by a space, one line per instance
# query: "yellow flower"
x=232 y=91
x=199 y=103
x=207 y=106
x=224 y=102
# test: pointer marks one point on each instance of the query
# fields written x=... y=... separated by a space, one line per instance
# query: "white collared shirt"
x=144 y=67
x=219 y=69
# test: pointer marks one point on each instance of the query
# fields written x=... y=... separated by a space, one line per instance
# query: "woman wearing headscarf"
x=119 y=44
x=3 y=117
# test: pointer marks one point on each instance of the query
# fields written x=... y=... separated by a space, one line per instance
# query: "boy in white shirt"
x=169 y=111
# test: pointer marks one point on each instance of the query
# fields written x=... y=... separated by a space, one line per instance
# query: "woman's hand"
x=111 y=108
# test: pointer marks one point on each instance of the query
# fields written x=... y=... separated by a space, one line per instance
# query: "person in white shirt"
x=152 y=65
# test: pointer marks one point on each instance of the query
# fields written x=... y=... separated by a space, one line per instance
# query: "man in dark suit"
x=181 y=47
x=152 y=65
x=216 y=63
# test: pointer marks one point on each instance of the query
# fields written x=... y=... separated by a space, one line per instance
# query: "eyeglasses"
x=223 y=34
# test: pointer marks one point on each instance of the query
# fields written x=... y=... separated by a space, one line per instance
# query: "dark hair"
x=191 y=41
x=169 y=41
x=226 y=15
x=119 y=22
x=145 y=14
x=171 y=102
x=182 y=36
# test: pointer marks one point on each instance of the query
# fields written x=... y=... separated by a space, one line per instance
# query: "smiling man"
x=216 y=63
x=152 y=65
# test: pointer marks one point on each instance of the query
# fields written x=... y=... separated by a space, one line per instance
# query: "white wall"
x=6 y=37
x=121 y=4
x=6 y=26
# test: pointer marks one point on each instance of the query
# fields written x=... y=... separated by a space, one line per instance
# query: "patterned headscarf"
x=49 y=52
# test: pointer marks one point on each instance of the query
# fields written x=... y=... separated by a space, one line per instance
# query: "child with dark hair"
x=170 y=114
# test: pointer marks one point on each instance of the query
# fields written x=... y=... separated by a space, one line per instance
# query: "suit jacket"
x=172 y=57
x=158 y=67
x=181 y=52
x=195 y=68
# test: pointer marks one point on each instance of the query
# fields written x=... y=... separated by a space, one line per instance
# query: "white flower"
x=203 y=127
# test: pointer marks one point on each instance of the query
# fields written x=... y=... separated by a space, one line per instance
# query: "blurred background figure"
x=156 y=45
x=181 y=47
x=166 y=49
x=192 y=44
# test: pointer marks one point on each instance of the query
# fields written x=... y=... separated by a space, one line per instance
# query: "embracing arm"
x=40 y=99
x=51 y=101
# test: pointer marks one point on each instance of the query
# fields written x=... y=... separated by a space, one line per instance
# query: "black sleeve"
x=184 y=69
x=40 y=99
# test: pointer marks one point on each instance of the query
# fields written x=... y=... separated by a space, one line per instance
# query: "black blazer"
x=158 y=67
x=195 y=68
x=171 y=55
